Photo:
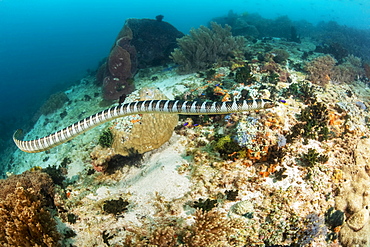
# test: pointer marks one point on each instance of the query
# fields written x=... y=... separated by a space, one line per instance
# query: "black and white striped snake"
x=138 y=107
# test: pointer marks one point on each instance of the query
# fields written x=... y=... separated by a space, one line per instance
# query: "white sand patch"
x=159 y=177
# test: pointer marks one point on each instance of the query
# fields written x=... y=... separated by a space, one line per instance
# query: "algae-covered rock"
x=358 y=220
x=362 y=152
x=354 y=198
x=243 y=207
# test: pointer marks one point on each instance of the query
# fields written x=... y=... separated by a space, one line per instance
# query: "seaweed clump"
x=231 y=195
x=313 y=123
x=244 y=75
x=334 y=218
x=57 y=173
x=115 y=206
x=106 y=139
x=302 y=90
x=205 y=205
x=280 y=56
x=205 y=46
x=226 y=146
x=312 y=157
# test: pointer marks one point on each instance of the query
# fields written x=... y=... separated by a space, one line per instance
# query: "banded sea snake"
x=138 y=107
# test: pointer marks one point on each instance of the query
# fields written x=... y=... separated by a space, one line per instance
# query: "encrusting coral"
x=148 y=133
x=204 y=46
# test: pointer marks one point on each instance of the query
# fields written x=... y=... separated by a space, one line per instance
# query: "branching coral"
x=212 y=228
x=39 y=181
x=165 y=236
x=24 y=219
x=320 y=69
x=24 y=222
x=348 y=70
x=204 y=46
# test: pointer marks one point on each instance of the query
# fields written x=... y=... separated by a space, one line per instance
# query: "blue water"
x=45 y=46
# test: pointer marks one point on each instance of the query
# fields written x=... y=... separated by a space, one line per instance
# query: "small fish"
x=186 y=124
x=170 y=68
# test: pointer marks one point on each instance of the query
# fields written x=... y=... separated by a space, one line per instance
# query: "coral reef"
x=141 y=43
x=24 y=218
x=330 y=37
x=204 y=46
x=293 y=175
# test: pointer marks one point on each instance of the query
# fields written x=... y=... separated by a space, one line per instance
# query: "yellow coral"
x=147 y=134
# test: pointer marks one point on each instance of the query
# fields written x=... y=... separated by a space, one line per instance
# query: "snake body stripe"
x=138 y=107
